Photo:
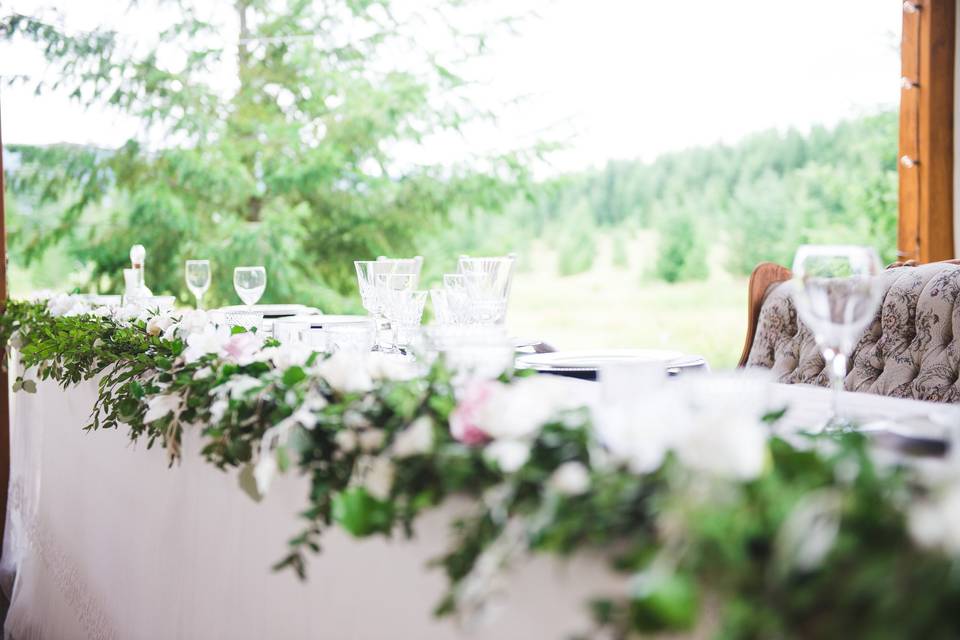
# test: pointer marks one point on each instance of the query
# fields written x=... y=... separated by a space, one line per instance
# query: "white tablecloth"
x=105 y=541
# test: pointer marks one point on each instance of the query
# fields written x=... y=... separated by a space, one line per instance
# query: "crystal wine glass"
x=198 y=279
x=250 y=283
x=836 y=290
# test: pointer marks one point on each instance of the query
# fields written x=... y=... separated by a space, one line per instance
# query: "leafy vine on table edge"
x=715 y=523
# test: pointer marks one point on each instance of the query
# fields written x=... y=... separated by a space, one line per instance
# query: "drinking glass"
x=198 y=279
x=403 y=266
x=836 y=290
x=394 y=291
x=410 y=314
x=490 y=279
x=250 y=283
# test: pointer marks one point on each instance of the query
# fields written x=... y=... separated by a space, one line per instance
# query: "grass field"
x=612 y=306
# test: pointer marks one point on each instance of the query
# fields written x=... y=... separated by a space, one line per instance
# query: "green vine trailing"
x=715 y=523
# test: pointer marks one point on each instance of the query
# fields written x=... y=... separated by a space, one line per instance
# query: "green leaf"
x=360 y=513
x=248 y=482
x=293 y=375
x=29 y=386
x=671 y=602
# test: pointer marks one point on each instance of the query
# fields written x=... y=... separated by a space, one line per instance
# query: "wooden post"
x=4 y=380
x=925 y=230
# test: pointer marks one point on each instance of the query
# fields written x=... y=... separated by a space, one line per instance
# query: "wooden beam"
x=4 y=379
x=925 y=230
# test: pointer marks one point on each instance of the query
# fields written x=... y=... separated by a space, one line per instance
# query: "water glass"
x=410 y=313
x=836 y=290
x=198 y=279
x=395 y=292
x=250 y=283
x=490 y=279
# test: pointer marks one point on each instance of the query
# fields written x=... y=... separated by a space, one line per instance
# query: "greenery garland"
x=823 y=542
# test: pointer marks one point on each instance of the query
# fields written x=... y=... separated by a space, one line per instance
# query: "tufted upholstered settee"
x=910 y=350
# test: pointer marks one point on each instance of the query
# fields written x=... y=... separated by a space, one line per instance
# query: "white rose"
x=193 y=321
x=158 y=324
x=210 y=340
x=570 y=479
x=203 y=373
x=217 y=409
x=160 y=406
x=59 y=304
x=346 y=440
x=238 y=386
x=378 y=475
x=286 y=356
x=521 y=409
x=508 y=455
x=371 y=439
x=415 y=439
x=389 y=366
x=346 y=373
x=723 y=433
x=935 y=523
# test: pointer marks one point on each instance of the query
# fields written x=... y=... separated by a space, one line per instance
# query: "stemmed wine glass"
x=198 y=279
x=836 y=290
x=250 y=283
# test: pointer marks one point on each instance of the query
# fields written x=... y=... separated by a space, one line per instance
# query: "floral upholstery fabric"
x=908 y=351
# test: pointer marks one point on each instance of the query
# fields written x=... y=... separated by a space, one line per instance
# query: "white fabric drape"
x=107 y=542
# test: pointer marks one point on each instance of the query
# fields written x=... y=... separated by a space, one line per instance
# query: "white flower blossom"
x=160 y=406
x=217 y=409
x=570 y=479
x=521 y=409
x=346 y=440
x=158 y=324
x=285 y=356
x=346 y=373
x=370 y=440
x=509 y=455
x=203 y=373
x=377 y=476
x=389 y=366
x=237 y=386
x=415 y=439
x=201 y=343
x=935 y=523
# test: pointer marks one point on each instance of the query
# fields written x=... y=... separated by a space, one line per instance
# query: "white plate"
x=595 y=358
x=271 y=310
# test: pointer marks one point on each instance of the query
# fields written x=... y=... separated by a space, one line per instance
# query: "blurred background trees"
x=297 y=162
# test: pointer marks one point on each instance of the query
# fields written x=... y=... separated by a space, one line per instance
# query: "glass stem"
x=395 y=331
x=837 y=371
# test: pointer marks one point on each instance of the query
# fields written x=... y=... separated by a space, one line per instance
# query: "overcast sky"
x=624 y=78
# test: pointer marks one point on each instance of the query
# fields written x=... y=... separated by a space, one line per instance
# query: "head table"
x=105 y=541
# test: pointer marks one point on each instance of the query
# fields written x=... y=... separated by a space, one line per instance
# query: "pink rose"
x=463 y=420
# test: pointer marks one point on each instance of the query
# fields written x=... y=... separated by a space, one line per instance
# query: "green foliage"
x=682 y=250
x=576 y=243
x=761 y=198
x=297 y=167
x=620 y=253
x=817 y=545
